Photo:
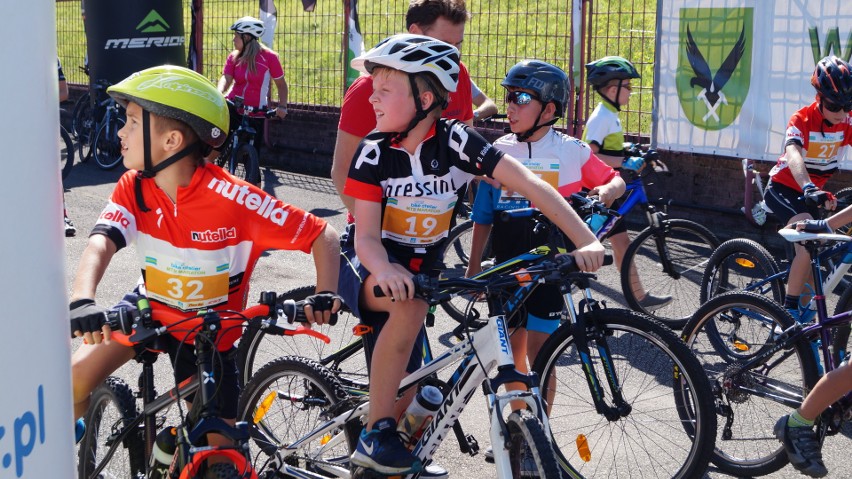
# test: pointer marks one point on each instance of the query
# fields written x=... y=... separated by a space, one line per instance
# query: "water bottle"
x=163 y=452
x=419 y=414
x=595 y=222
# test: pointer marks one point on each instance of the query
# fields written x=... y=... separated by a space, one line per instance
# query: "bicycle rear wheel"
x=66 y=152
x=683 y=245
x=739 y=264
x=285 y=400
x=107 y=145
x=455 y=256
x=245 y=164
x=111 y=408
x=726 y=331
x=840 y=334
x=671 y=427
x=344 y=355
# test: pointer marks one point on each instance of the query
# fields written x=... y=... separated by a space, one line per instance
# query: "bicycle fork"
x=583 y=333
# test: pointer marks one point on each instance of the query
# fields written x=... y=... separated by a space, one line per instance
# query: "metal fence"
x=500 y=33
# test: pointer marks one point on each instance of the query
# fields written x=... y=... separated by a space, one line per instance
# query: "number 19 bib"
x=417 y=221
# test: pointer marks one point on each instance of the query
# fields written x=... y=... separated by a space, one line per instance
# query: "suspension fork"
x=584 y=331
x=660 y=227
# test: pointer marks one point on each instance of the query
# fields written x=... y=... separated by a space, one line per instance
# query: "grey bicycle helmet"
x=249 y=26
x=832 y=79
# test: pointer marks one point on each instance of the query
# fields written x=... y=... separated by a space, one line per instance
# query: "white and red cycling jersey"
x=199 y=252
x=822 y=146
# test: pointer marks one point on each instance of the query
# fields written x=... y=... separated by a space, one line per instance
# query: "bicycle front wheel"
x=671 y=426
x=343 y=355
x=66 y=152
x=726 y=331
x=530 y=449
x=667 y=262
x=741 y=264
x=245 y=164
x=107 y=145
x=111 y=408
x=287 y=399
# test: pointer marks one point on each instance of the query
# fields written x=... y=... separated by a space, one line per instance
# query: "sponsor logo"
x=832 y=44
x=176 y=83
x=714 y=64
x=117 y=217
x=504 y=338
x=211 y=236
x=409 y=186
x=263 y=205
x=152 y=23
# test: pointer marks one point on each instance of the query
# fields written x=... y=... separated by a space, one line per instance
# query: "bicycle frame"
x=204 y=411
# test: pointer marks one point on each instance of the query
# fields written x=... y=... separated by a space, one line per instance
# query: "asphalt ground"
x=87 y=189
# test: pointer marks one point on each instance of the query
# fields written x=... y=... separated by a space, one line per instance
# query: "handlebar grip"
x=295 y=312
x=568 y=265
x=120 y=320
x=517 y=213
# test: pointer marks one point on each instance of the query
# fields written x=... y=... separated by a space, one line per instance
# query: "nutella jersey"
x=418 y=192
x=199 y=252
x=822 y=146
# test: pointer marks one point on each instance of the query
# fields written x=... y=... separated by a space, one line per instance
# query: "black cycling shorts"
x=785 y=202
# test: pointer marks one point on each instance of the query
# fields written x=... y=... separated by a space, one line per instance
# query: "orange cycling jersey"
x=199 y=252
x=821 y=144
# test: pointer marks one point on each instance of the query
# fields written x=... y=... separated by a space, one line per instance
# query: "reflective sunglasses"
x=519 y=97
x=834 y=107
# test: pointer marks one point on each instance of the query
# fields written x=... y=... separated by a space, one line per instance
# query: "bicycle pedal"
x=472 y=445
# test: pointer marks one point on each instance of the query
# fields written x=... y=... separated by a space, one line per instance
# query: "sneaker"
x=489 y=454
x=652 y=303
x=79 y=430
x=70 y=230
x=434 y=471
x=803 y=448
x=382 y=450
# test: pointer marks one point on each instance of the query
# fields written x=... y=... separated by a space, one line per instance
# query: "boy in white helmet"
x=418 y=159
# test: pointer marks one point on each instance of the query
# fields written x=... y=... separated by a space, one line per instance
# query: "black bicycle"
x=66 y=152
x=96 y=127
x=239 y=156
x=120 y=437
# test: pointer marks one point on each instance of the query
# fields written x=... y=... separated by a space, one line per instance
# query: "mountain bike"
x=240 y=156
x=762 y=363
x=676 y=400
x=66 y=152
x=119 y=437
x=97 y=128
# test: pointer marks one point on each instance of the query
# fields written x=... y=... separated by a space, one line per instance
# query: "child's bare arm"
x=395 y=283
x=477 y=247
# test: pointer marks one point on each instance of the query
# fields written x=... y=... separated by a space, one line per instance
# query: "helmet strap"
x=419 y=115
x=527 y=134
x=615 y=102
x=150 y=170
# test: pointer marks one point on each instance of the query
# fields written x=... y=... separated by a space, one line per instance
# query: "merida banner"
x=125 y=36
x=730 y=73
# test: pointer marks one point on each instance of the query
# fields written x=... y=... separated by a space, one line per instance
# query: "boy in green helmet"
x=164 y=205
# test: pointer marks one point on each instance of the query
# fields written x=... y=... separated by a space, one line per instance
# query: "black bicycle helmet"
x=547 y=81
x=832 y=79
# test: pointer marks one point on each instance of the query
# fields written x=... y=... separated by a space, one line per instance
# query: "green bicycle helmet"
x=601 y=71
x=178 y=93
x=181 y=94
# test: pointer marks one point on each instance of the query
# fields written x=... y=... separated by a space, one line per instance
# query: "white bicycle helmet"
x=414 y=54
x=249 y=25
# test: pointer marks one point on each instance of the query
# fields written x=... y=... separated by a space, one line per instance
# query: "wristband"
x=80 y=302
x=808 y=186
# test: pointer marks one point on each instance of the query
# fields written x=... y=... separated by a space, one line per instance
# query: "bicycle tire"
x=222 y=471
x=111 y=407
x=738 y=264
x=689 y=246
x=257 y=348
x=82 y=109
x=747 y=445
x=526 y=434
x=840 y=334
x=107 y=144
x=455 y=256
x=299 y=395
x=844 y=199
x=66 y=152
x=657 y=373
x=245 y=164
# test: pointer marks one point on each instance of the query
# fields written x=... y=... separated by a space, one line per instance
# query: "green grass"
x=500 y=33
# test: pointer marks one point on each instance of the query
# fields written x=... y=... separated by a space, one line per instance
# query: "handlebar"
x=651 y=157
x=139 y=324
x=435 y=290
x=582 y=203
x=239 y=104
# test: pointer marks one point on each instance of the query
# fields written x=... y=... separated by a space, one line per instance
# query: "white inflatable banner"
x=730 y=73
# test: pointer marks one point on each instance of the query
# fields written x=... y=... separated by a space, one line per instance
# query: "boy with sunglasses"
x=815 y=135
x=610 y=77
x=404 y=179
x=537 y=96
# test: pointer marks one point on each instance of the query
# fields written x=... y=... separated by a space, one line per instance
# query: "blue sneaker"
x=805 y=316
x=382 y=450
x=79 y=430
